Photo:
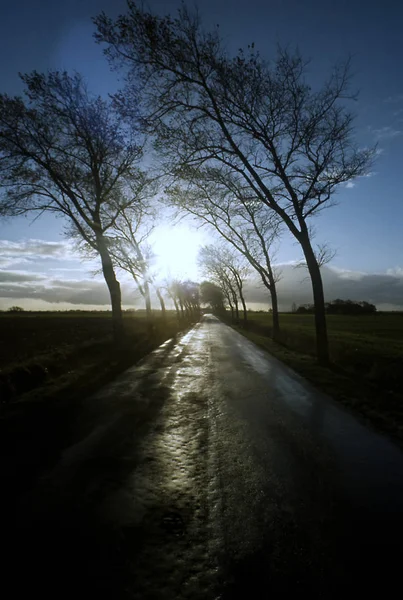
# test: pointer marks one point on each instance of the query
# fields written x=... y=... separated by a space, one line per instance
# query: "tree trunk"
x=238 y=282
x=113 y=286
x=188 y=310
x=236 y=310
x=162 y=303
x=147 y=298
x=322 y=344
x=235 y=301
x=178 y=314
x=231 y=308
x=245 y=312
x=274 y=307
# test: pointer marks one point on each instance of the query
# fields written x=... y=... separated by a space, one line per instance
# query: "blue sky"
x=365 y=227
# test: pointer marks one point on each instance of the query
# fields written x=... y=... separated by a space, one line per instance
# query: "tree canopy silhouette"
x=292 y=144
x=65 y=151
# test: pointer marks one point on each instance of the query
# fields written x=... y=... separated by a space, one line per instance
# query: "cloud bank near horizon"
x=36 y=291
x=385 y=290
x=41 y=275
x=30 y=251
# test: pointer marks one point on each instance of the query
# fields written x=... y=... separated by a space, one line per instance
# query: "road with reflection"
x=214 y=471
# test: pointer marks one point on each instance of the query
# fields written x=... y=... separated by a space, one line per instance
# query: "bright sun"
x=176 y=248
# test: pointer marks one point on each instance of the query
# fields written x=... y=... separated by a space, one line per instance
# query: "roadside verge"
x=378 y=408
x=39 y=425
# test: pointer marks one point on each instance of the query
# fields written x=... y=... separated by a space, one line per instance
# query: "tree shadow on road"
x=58 y=543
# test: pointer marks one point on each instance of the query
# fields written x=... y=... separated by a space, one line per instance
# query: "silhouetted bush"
x=340 y=307
x=349 y=307
x=305 y=309
x=15 y=309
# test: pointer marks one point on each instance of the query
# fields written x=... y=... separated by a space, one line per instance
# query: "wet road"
x=214 y=471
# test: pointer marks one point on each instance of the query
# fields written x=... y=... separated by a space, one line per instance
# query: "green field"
x=54 y=349
x=371 y=345
x=51 y=362
x=50 y=366
x=32 y=335
x=367 y=360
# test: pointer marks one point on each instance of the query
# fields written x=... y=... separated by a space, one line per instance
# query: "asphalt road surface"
x=214 y=471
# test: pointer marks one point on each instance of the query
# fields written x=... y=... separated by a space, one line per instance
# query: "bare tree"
x=189 y=298
x=185 y=296
x=239 y=271
x=172 y=288
x=324 y=255
x=292 y=144
x=66 y=152
x=228 y=272
x=217 y=198
x=213 y=295
x=131 y=251
x=158 y=290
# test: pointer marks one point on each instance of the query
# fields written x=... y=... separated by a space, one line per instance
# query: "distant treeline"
x=340 y=307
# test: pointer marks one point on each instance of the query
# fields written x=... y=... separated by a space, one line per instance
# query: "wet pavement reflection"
x=220 y=473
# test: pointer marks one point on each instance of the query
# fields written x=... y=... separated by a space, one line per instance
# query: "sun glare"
x=176 y=248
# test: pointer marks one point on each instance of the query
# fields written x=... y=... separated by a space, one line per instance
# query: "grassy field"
x=50 y=366
x=51 y=362
x=31 y=336
x=367 y=360
x=34 y=335
x=40 y=349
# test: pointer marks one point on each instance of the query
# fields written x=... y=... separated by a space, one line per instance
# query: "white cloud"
x=38 y=274
x=29 y=251
x=32 y=248
x=10 y=261
x=386 y=133
x=53 y=290
x=34 y=291
x=352 y=184
x=61 y=287
x=19 y=277
x=36 y=288
x=396 y=271
x=382 y=289
x=65 y=270
x=348 y=274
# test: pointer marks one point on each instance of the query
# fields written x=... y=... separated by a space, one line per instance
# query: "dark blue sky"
x=366 y=226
